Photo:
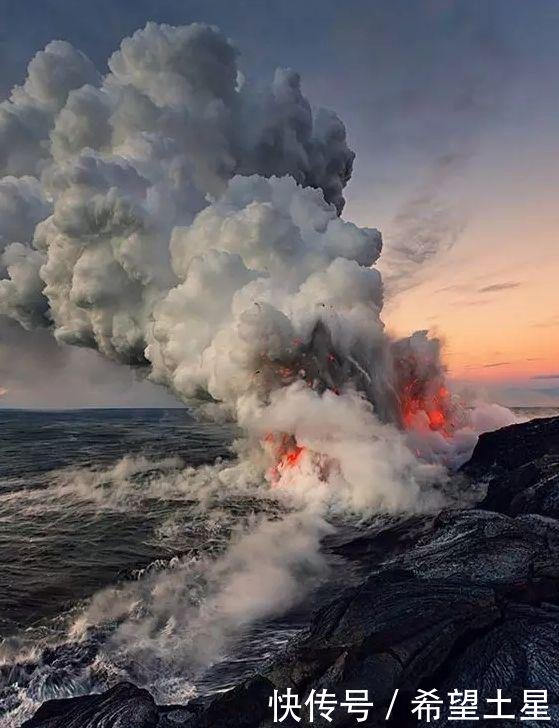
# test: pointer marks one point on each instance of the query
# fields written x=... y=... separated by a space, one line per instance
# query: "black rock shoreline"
x=465 y=599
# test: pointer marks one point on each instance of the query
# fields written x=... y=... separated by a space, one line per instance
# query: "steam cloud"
x=178 y=219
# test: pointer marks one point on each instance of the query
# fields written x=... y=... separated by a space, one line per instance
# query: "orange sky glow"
x=493 y=297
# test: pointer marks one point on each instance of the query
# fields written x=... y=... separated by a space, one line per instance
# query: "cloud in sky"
x=423 y=228
x=472 y=302
x=546 y=323
x=494 y=287
x=485 y=288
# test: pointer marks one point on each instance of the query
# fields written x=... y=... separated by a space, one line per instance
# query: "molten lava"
x=285 y=452
x=420 y=401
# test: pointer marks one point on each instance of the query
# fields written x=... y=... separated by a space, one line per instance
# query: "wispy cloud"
x=424 y=227
x=552 y=321
x=546 y=376
x=496 y=364
x=472 y=302
x=458 y=287
x=499 y=287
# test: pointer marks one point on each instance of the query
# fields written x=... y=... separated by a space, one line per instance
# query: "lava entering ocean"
x=285 y=453
x=423 y=400
x=423 y=394
x=163 y=231
x=417 y=405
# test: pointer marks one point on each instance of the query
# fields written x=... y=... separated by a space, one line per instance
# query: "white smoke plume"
x=180 y=219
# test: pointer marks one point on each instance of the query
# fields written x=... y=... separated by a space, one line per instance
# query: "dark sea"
x=107 y=507
x=113 y=526
x=55 y=548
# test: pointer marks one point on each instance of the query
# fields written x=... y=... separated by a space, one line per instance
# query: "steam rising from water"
x=181 y=220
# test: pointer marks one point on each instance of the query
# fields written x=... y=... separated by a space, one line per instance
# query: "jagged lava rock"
x=521 y=463
x=467 y=599
x=123 y=706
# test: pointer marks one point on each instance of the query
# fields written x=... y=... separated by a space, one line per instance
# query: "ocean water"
x=107 y=507
x=530 y=413
x=117 y=545
x=57 y=545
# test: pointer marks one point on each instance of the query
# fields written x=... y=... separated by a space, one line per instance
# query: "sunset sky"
x=452 y=108
x=493 y=297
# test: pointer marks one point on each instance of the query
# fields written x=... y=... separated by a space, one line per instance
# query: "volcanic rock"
x=466 y=599
x=123 y=706
x=521 y=464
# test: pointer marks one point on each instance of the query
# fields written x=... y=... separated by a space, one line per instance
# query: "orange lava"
x=285 y=451
x=436 y=406
x=292 y=457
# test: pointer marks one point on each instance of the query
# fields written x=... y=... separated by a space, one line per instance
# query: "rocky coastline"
x=465 y=599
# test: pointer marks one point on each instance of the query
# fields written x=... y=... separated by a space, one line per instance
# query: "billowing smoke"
x=182 y=220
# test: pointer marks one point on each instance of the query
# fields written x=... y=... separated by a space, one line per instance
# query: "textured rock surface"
x=522 y=464
x=123 y=706
x=463 y=600
x=512 y=447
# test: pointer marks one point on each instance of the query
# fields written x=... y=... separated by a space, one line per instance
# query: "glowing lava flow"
x=422 y=403
x=285 y=452
x=420 y=406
